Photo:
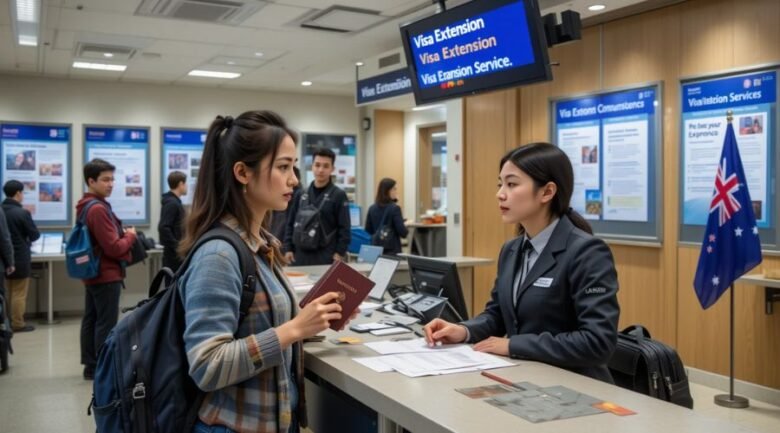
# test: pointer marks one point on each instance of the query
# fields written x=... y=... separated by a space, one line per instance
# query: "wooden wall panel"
x=490 y=122
x=691 y=38
x=389 y=149
x=637 y=50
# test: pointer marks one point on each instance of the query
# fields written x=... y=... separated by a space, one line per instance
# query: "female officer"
x=554 y=299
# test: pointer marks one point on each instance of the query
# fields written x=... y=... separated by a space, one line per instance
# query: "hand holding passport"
x=350 y=287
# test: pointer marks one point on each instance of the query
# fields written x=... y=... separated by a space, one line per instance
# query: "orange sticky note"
x=613 y=408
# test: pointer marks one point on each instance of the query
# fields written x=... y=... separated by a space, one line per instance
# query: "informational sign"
x=613 y=142
x=127 y=148
x=182 y=150
x=345 y=170
x=752 y=98
x=383 y=86
x=475 y=47
x=38 y=155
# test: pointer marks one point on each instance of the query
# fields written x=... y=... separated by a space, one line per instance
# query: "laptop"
x=381 y=274
x=369 y=253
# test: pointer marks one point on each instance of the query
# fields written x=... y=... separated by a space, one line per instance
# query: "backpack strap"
x=384 y=215
x=83 y=214
x=325 y=195
x=246 y=261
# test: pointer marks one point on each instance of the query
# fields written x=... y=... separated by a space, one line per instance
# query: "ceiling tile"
x=274 y=16
x=5 y=13
x=64 y=40
x=184 y=49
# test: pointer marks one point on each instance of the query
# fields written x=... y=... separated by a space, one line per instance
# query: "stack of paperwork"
x=414 y=358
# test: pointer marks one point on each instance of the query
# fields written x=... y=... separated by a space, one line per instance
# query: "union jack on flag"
x=724 y=200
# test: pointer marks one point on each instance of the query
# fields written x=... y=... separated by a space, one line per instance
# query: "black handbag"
x=649 y=367
x=138 y=250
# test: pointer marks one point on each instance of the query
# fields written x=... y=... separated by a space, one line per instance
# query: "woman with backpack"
x=251 y=368
x=384 y=221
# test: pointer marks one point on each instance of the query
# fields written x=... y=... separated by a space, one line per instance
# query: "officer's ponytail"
x=545 y=163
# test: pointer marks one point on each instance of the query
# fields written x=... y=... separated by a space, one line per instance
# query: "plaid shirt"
x=247 y=380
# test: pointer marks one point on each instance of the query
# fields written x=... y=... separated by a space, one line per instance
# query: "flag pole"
x=730 y=400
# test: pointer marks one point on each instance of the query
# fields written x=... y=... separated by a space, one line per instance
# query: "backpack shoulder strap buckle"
x=139 y=391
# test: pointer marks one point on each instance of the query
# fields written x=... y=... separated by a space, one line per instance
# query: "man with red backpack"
x=112 y=245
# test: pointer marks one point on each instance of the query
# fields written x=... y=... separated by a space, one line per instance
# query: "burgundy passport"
x=352 y=287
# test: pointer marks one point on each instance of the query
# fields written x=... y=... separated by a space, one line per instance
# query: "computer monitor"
x=381 y=274
x=369 y=253
x=439 y=278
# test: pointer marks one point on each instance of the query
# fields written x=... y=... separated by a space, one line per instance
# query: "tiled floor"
x=44 y=392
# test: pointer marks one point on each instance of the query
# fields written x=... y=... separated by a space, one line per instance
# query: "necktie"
x=522 y=257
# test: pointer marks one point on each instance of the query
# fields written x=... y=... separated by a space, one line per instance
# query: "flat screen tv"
x=476 y=47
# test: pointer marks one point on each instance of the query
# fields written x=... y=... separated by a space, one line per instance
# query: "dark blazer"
x=394 y=219
x=23 y=234
x=573 y=322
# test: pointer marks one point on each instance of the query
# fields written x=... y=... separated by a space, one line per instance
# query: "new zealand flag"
x=731 y=244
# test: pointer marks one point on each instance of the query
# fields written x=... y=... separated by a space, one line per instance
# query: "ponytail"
x=249 y=138
x=578 y=221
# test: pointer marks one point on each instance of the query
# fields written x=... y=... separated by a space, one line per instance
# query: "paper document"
x=416 y=361
x=406 y=346
x=375 y=363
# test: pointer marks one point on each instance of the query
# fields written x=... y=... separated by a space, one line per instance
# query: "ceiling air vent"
x=343 y=19
x=86 y=50
x=392 y=59
x=231 y=12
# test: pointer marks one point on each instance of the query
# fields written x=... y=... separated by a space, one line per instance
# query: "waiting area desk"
x=431 y=404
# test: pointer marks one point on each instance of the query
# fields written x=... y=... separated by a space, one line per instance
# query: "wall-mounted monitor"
x=476 y=47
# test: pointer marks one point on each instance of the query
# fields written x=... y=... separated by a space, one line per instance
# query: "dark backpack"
x=80 y=258
x=649 y=367
x=5 y=334
x=142 y=382
x=308 y=234
x=385 y=235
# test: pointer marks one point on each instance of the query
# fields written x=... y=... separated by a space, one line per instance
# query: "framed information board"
x=38 y=155
x=705 y=100
x=127 y=148
x=613 y=140
x=182 y=150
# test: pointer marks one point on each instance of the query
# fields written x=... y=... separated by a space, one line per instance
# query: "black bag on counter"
x=649 y=367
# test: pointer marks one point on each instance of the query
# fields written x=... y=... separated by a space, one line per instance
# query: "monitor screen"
x=439 y=278
x=369 y=253
x=475 y=47
x=354 y=215
x=381 y=274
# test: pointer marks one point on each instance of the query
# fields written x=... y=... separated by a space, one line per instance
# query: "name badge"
x=543 y=282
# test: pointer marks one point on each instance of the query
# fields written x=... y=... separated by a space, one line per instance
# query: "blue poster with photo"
x=182 y=150
x=752 y=97
x=127 y=148
x=38 y=156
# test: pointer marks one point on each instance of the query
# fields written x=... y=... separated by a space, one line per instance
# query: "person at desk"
x=250 y=370
x=384 y=222
x=554 y=299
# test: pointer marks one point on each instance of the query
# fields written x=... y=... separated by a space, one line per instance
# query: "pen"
x=498 y=379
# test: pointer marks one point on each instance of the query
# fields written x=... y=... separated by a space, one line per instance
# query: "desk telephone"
x=423 y=306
